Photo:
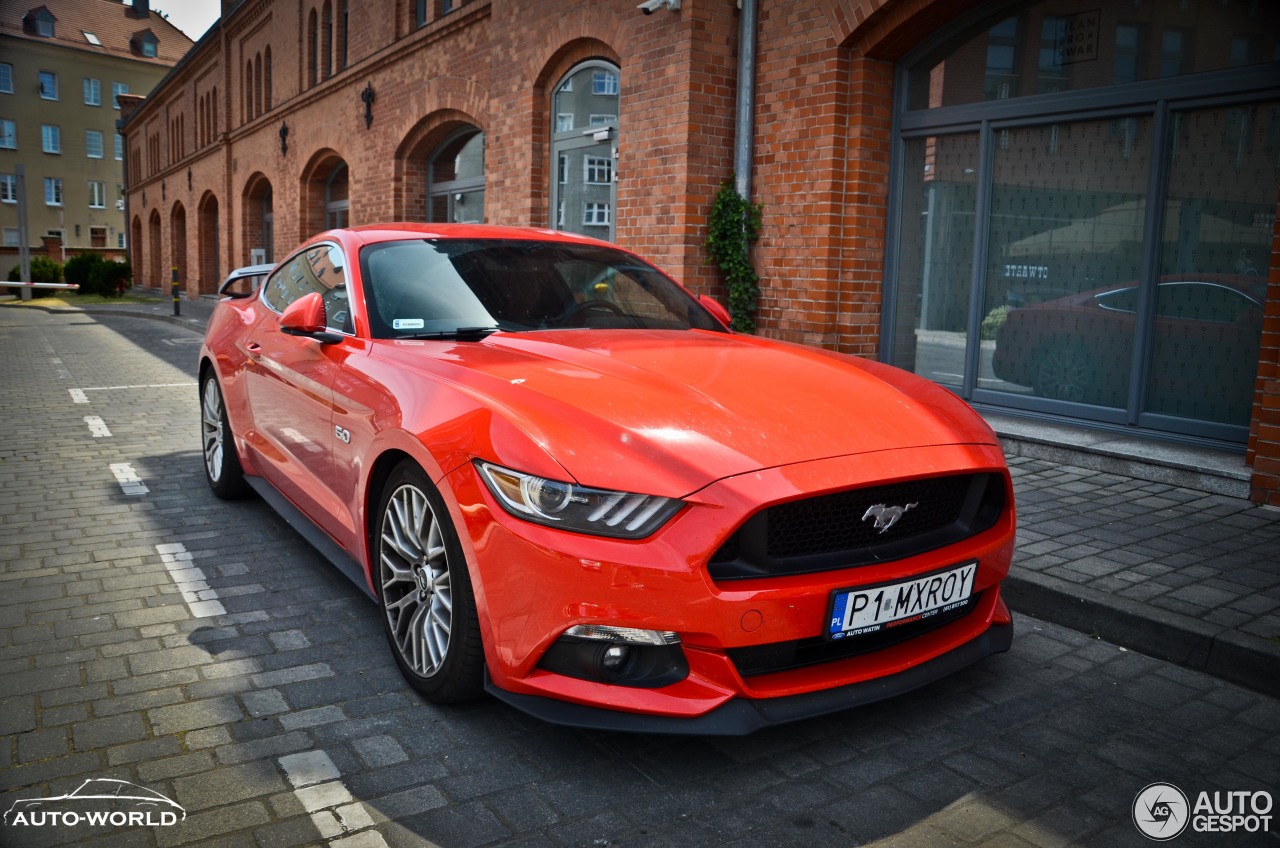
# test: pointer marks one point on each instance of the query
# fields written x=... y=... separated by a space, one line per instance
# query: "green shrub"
x=110 y=279
x=43 y=270
x=993 y=322
x=79 y=269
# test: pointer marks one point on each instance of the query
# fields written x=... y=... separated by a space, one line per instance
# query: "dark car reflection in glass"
x=1204 y=357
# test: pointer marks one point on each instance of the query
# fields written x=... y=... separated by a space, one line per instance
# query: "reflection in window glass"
x=1073 y=45
x=1219 y=218
x=584 y=145
x=935 y=257
x=455 y=181
x=1060 y=237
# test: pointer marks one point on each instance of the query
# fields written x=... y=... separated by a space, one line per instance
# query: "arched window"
x=266 y=81
x=343 y=34
x=455 y=179
x=313 y=48
x=257 y=85
x=326 y=41
x=584 y=144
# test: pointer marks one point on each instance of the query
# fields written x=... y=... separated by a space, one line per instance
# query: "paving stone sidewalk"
x=1175 y=572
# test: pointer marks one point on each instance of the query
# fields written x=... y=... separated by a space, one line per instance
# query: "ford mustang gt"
x=564 y=481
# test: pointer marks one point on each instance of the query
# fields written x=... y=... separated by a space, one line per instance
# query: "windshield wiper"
x=463 y=334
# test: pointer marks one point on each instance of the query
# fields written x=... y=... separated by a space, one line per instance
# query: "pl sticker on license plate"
x=856 y=612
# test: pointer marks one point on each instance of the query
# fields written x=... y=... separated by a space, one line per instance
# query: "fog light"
x=621 y=656
x=613 y=658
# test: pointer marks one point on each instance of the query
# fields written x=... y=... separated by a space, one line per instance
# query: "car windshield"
x=468 y=286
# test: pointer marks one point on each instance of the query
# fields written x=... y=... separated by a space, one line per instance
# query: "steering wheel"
x=587 y=305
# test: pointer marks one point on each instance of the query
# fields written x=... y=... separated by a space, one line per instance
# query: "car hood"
x=670 y=412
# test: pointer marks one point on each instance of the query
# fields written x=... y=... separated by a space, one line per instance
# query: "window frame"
x=53 y=189
x=89 y=146
x=52 y=78
x=51 y=139
x=92 y=91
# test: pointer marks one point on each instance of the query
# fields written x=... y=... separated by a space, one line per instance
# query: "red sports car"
x=563 y=480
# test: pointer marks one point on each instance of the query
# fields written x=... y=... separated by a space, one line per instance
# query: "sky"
x=193 y=17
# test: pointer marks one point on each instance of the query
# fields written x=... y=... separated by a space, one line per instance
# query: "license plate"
x=856 y=612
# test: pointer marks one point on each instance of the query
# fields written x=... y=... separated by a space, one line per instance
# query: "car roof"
x=393 y=231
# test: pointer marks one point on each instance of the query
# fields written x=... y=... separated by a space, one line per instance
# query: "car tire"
x=428 y=607
x=1064 y=371
x=221 y=462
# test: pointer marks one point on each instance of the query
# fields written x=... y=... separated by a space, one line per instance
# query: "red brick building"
x=928 y=169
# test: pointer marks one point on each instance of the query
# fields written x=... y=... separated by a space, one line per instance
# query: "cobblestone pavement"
x=200 y=649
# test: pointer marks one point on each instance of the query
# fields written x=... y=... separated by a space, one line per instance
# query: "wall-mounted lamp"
x=368 y=97
x=284 y=138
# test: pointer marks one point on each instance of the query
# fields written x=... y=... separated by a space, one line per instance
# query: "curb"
x=1250 y=661
x=194 y=324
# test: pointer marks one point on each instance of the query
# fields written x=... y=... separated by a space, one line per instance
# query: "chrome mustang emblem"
x=886 y=516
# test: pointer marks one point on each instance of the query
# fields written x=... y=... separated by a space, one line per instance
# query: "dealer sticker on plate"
x=855 y=612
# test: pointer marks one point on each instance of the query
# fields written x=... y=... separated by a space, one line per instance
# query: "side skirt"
x=306 y=528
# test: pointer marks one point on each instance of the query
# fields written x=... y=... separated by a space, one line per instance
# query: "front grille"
x=785 y=656
x=839 y=530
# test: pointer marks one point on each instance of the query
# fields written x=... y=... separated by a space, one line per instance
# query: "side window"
x=321 y=268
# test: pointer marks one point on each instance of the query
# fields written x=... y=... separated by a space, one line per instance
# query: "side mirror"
x=713 y=306
x=305 y=317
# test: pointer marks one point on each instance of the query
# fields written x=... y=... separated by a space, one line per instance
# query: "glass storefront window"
x=1070 y=46
x=1219 y=215
x=936 y=255
x=1066 y=222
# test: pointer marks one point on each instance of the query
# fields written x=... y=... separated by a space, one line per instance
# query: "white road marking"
x=97 y=426
x=318 y=786
x=146 y=386
x=201 y=600
x=78 y=396
x=189 y=340
x=128 y=479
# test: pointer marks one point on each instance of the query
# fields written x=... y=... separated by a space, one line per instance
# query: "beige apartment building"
x=62 y=65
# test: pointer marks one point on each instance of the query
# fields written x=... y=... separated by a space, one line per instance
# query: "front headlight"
x=568 y=506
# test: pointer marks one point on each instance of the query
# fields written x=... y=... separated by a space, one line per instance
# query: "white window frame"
x=51 y=138
x=591 y=166
x=562 y=169
x=564 y=121
x=52 y=78
x=117 y=89
x=92 y=91
x=6 y=78
x=119 y=146
x=11 y=237
x=52 y=191
x=592 y=217
x=97 y=194
x=8 y=134
x=93 y=144
x=605 y=83
x=602 y=120
x=8 y=188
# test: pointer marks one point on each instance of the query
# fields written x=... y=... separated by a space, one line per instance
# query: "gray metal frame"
x=1159 y=99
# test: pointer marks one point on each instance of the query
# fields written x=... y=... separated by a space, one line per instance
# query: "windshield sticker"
x=408 y=324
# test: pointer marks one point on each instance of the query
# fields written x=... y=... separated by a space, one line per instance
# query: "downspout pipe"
x=744 y=120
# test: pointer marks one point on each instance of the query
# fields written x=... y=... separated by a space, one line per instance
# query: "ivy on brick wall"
x=734 y=226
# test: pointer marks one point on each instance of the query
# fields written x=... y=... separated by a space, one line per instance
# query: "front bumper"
x=532 y=583
x=741 y=716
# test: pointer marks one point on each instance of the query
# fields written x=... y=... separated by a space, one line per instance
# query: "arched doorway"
x=325 y=194
x=210 y=245
x=259 y=221
x=178 y=227
x=155 y=251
